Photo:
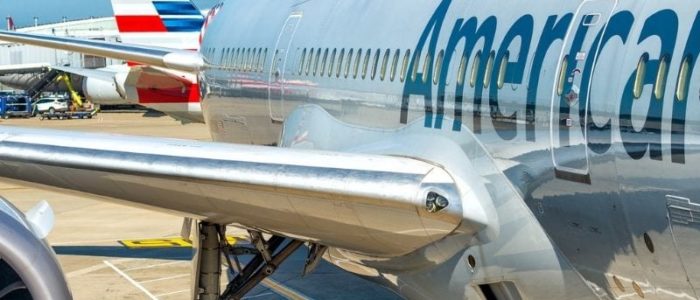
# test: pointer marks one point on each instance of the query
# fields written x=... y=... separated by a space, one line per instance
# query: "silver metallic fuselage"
x=610 y=179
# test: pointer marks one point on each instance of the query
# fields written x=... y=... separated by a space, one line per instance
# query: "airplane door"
x=276 y=79
x=569 y=115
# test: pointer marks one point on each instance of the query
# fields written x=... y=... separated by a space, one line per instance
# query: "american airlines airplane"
x=445 y=149
x=172 y=24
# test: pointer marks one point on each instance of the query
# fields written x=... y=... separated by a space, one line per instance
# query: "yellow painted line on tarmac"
x=168 y=242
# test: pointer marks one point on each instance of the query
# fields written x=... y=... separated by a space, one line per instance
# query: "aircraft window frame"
x=323 y=63
x=242 y=59
x=224 y=62
x=331 y=63
x=368 y=54
x=318 y=60
x=489 y=69
x=416 y=63
x=661 y=77
x=247 y=60
x=385 y=61
x=221 y=57
x=341 y=57
x=253 y=64
x=251 y=58
x=462 y=70
x=301 y=61
x=561 y=76
x=404 y=67
x=274 y=60
x=375 y=65
x=358 y=60
x=426 y=66
x=502 y=70
x=261 y=60
x=349 y=63
x=309 y=61
x=438 y=66
x=394 y=65
x=475 y=68
x=639 y=75
x=683 y=78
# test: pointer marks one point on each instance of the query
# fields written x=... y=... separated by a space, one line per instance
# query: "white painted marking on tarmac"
x=130 y=280
x=172 y=293
x=164 y=278
x=156 y=265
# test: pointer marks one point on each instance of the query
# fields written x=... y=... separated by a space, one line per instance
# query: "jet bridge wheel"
x=268 y=255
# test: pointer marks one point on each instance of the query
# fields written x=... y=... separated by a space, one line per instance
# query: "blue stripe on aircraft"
x=176 y=8
x=183 y=25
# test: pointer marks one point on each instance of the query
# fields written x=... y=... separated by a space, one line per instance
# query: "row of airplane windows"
x=351 y=63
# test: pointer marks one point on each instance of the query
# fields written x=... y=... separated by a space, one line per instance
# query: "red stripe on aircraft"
x=169 y=95
x=140 y=24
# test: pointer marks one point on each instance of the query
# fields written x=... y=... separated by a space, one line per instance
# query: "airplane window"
x=301 y=61
x=251 y=57
x=253 y=65
x=639 y=77
x=227 y=57
x=364 y=68
x=385 y=61
x=375 y=64
x=502 y=70
x=323 y=63
x=274 y=60
x=234 y=57
x=318 y=59
x=660 y=85
x=475 y=68
x=489 y=69
x=348 y=64
x=357 y=63
x=256 y=58
x=438 y=67
x=416 y=61
x=221 y=57
x=331 y=64
x=562 y=74
x=340 y=63
x=462 y=70
x=683 y=76
x=242 y=59
x=394 y=64
x=404 y=67
x=426 y=65
x=247 y=59
x=309 y=61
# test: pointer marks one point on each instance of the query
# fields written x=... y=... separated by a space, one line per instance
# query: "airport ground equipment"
x=15 y=106
x=48 y=78
x=66 y=115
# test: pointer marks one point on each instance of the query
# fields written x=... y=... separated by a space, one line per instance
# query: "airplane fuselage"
x=585 y=112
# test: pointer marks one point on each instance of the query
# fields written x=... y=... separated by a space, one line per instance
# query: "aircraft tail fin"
x=174 y=24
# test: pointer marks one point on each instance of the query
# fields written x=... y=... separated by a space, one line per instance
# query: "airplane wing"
x=176 y=59
x=380 y=205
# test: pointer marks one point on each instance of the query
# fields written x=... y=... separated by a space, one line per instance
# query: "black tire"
x=52 y=110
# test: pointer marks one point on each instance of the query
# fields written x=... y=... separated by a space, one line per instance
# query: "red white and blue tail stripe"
x=164 y=23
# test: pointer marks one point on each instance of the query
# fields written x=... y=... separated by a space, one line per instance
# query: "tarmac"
x=87 y=234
